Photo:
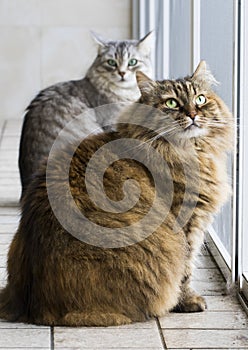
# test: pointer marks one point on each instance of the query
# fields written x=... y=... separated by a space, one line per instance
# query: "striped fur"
x=57 y=279
x=54 y=107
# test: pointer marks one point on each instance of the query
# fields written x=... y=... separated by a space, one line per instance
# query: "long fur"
x=57 y=105
x=55 y=278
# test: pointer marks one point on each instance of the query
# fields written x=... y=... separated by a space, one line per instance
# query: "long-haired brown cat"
x=55 y=278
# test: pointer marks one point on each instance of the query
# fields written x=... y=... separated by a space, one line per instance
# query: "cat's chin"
x=193 y=131
x=125 y=84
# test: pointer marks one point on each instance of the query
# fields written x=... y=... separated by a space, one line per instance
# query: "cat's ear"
x=203 y=76
x=145 y=84
x=146 y=44
x=99 y=40
x=200 y=69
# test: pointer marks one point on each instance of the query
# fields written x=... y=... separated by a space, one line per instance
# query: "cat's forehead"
x=122 y=49
x=183 y=88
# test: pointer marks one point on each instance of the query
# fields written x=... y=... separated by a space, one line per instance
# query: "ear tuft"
x=203 y=76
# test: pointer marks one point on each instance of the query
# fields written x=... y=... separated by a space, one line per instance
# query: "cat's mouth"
x=125 y=83
x=193 y=123
x=194 y=130
x=123 y=79
x=192 y=126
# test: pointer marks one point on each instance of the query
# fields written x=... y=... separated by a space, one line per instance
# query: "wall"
x=46 y=41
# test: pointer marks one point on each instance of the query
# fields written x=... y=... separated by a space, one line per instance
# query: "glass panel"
x=244 y=179
x=245 y=203
x=161 y=60
x=180 y=38
x=217 y=49
x=243 y=145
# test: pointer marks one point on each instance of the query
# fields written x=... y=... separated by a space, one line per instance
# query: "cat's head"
x=118 y=61
x=193 y=109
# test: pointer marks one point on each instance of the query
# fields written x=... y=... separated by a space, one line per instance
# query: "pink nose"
x=192 y=114
x=122 y=74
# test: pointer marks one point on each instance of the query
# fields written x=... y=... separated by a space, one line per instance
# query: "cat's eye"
x=112 y=63
x=200 y=100
x=171 y=103
x=132 y=62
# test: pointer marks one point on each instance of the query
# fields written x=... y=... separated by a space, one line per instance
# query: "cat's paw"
x=192 y=303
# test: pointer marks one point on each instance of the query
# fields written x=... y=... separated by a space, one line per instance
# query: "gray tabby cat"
x=110 y=79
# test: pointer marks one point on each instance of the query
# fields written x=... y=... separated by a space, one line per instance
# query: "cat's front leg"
x=189 y=300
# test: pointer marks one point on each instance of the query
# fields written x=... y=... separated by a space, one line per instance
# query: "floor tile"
x=108 y=348
x=3 y=261
x=15 y=325
x=206 y=339
x=24 y=338
x=8 y=228
x=9 y=211
x=10 y=143
x=4 y=248
x=205 y=262
x=209 y=288
x=36 y=348
x=207 y=275
x=100 y=338
x=3 y=276
x=206 y=320
x=222 y=303
x=9 y=219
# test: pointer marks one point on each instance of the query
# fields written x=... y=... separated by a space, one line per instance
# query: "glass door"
x=243 y=154
x=188 y=31
x=218 y=48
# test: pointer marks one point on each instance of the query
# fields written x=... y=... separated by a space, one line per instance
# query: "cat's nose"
x=192 y=114
x=122 y=74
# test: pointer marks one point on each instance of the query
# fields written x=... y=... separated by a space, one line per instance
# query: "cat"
x=56 y=278
x=111 y=78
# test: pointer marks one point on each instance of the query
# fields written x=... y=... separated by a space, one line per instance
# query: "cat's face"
x=193 y=109
x=118 y=61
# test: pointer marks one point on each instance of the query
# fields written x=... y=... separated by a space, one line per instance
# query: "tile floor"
x=223 y=326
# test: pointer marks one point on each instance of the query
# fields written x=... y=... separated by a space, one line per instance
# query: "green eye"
x=200 y=100
x=132 y=62
x=112 y=63
x=171 y=103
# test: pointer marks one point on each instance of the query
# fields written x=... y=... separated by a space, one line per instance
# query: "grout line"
x=161 y=333
x=52 y=339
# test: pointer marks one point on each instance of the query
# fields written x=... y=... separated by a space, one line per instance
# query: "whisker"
x=163 y=132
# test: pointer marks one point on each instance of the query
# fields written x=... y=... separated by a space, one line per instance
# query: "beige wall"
x=46 y=41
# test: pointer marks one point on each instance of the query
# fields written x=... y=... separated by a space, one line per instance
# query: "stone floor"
x=223 y=326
